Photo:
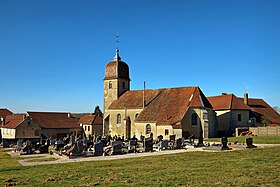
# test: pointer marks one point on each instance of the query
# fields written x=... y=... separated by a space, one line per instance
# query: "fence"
x=265 y=131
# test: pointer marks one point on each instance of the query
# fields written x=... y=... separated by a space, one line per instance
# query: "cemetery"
x=75 y=147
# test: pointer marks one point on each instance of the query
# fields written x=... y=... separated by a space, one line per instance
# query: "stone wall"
x=265 y=131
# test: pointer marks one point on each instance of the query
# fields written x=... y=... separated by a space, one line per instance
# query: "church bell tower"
x=116 y=82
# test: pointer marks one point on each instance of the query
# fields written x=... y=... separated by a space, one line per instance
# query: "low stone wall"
x=265 y=131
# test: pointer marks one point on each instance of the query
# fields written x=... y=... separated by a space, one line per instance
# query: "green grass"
x=253 y=167
x=256 y=139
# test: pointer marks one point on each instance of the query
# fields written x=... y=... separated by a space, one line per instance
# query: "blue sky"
x=53 y=53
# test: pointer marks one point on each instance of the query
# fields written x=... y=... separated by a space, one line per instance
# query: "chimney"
x=246 y=98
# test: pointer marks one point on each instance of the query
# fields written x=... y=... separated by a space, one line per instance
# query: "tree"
x=277 y=109
x=98 y=112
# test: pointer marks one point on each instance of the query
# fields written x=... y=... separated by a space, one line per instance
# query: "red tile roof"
x=12 y=121
x=261 y=107
x=163 y=106
x=91 y=119
x=54 y=120
x=4 y=112
x=227 y=102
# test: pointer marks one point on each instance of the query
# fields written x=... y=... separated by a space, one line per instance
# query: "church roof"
x=227 y=102
x=163 y=106
x=261 y=107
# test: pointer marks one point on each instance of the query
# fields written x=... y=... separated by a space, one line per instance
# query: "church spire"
x=117 y=56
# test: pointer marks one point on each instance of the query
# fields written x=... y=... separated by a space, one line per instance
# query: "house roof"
x=12 y=121
x=261 y=107
x=163 y=106
x=91 y=119
x=227 y=102
x=54 y=120
x=4 y=112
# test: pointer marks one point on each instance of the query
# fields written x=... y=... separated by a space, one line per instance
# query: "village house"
x=231 y=113
x=260 y=111
x=92 y=125
x=55 y=125
x=4 y=112
x=181 y=111
x=19 y=126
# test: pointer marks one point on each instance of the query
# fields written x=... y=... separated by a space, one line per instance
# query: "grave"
x=224 y=141
x=249 y=143
x=98 y=149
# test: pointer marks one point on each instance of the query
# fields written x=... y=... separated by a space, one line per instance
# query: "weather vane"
x=117 y=40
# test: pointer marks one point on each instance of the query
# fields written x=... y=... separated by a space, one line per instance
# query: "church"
x=182 y=111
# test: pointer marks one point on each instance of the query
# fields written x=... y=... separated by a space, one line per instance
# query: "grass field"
x=254 y=167
x=256 y=139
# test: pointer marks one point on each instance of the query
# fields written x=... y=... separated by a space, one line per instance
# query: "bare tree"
x=277 y=109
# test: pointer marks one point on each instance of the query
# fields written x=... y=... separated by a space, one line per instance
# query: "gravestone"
x=164 y=144
x=98 y=149
x=224 y=141
x=117 y=147
x=148 y=144
x=249 y=143
x=179 y=143
x=142 y=138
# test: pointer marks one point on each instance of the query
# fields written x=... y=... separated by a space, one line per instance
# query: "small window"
x=88 y=128
x=110 y=85
x=136 y=115
x=194 y=119
x=239 y=117
x=123 y=85
x=166 y=132
x=119 y=119
x=148 y=129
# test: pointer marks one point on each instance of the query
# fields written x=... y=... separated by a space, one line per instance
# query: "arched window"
x=119 y=119
x=194 y=119
x=110 y=85
x=123 y=85
x=148 y=129
x=136 y=115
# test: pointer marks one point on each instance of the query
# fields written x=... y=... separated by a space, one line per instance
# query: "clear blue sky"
x=53 y=53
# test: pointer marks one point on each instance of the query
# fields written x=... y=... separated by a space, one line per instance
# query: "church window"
x=119 y=118
x=110 y=85
x=123 y=85
x=166 y=132
x=194 y=119
x=136 y=115
x=148 y=129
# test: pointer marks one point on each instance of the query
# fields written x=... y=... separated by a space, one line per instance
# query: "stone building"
x=231 y=113
x=55 y=124
x=19 y=126
x=181 y=111
x=92 y=125
x=260 y=111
